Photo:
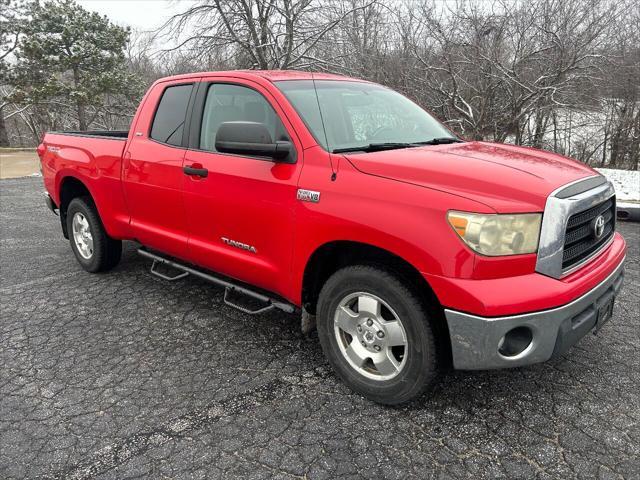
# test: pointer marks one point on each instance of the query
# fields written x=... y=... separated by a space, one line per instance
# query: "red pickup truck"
x=346 y=202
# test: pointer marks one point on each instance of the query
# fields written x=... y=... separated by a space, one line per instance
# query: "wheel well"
x=333 y=256
x=69 y=189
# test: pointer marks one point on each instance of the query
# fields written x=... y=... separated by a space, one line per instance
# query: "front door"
x=240 y=216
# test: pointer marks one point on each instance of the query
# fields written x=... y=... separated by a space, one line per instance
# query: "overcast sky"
x=138 y=14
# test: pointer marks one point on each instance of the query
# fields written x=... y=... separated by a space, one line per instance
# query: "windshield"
x=358 y=115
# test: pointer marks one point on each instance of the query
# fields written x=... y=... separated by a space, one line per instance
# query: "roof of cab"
x=276 y=75
x=270 y=75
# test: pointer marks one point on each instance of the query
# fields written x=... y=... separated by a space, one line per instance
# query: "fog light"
x=515 y=341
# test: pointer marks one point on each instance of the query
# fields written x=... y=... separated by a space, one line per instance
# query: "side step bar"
x=270 y=303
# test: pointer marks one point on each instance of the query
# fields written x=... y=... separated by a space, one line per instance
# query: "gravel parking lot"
x=123 y=375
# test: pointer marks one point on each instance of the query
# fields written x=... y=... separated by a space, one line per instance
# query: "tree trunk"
x=555 y=132
x=4 y=137
x=540 y=129
x=82 y=116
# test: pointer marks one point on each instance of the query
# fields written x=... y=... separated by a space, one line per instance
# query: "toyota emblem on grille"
x=598 y=226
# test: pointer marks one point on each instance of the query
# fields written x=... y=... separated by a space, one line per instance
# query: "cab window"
x=168 y=123
x=229 y=103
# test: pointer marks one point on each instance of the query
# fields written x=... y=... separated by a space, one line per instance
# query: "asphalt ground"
x=123 y=375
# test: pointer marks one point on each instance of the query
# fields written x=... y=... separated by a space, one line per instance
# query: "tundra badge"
x=242 y=246
x=308 y=195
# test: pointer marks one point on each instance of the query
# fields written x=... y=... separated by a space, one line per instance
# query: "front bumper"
x=475 y=340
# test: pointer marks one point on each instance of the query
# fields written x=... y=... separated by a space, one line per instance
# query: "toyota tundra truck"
x=340 y=200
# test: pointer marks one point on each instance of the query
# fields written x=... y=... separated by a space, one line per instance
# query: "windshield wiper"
x=440 y=141
x=374 y=147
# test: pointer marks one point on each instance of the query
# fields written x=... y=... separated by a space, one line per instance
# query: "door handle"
x=196 y=170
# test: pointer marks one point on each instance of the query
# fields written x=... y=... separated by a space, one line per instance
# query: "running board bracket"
x=155 y=271
x=229 y=287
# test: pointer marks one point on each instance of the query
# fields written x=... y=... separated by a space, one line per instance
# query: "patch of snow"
x=626 y=183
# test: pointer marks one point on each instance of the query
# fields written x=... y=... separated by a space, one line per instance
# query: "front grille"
x=580 y=240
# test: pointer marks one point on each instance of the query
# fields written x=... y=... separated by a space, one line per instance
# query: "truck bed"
x=108 y=134
x=94 y=158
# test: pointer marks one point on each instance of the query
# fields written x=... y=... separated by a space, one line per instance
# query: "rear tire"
x=377 y=335
x=94 y=249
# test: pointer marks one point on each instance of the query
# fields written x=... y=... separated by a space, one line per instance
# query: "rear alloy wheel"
x=376 y=333
x=94 y=249
x=81 y=231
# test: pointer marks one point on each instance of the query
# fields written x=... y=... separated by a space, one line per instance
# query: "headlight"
x=498 y=234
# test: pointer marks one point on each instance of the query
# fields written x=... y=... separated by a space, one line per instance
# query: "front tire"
x=376 y=334
x=94 y=249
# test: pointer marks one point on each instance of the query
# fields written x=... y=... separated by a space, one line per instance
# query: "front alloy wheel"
x=370 y=336
x=376 y=332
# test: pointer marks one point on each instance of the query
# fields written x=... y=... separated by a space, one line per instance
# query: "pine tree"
x=11 y=24
x=69 y=53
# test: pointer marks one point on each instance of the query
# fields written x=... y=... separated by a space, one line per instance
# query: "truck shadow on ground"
x=278 y=333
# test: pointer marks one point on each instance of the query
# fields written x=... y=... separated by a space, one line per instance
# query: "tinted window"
x=229 y=103
x=168 y=123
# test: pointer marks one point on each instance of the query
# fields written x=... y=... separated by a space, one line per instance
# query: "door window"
x=168 y=123
x=229 y=103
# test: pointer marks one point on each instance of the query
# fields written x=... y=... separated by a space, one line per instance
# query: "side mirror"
x=252 y=138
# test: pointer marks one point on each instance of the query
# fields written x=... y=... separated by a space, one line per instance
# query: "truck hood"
x=506 y=178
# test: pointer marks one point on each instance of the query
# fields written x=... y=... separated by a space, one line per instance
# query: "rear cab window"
x=168 y=122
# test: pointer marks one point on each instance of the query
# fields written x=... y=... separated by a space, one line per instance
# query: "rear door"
x=240 y=216
x=152 y=169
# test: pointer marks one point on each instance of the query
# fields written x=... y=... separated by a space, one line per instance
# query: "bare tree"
x=500 y=70
x=264 y=34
